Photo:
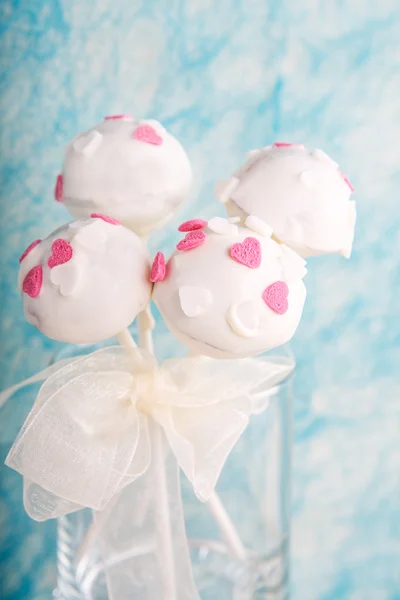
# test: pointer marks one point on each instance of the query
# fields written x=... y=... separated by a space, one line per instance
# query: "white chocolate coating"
x=140 y=182
x=94 y=294
x=214 y=305
x=301 y=195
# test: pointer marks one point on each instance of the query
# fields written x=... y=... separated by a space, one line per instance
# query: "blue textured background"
x=225 y=77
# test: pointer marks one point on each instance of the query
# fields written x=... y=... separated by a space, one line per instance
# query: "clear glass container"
x=254 y=490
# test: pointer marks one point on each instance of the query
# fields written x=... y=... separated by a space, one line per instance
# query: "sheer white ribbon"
x=87 y=442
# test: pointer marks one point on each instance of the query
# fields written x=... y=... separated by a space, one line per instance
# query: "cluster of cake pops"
x=233 y=288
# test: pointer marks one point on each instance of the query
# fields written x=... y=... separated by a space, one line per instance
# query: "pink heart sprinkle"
x=247 y=253
x=192 y=240
x=276 y=297
x=146 y=133
x=343 y=176
x=192 y=225
x=61 y=252
x=106 y=218
x=126 y=117
x=58 y=190
x=287 y=145
x=29 y=248
x=32 y=283
x=158 y=268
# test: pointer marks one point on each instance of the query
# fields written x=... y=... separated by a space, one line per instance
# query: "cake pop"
x=302 y=195
x=86 y=282
x=229 y=291
x=132 y=170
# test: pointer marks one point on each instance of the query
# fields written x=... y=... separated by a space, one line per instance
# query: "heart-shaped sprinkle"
x=192 y=240
x=224 y=189
x=93 y=235
x=247 y=253
x=276 y=297
x=192 y=225
x=194 y=300
x=222 y=226
x=148 y=135
x=29 y=248
x=58 y=190
x=126 y=117
x=106 y=218
x=32 y=283
x=324 y=158
x=259 y=226
x=66 y=277
x=61 y=252
x=287 y=145
x=158 y=268
x=347 y=182
x=88 y=143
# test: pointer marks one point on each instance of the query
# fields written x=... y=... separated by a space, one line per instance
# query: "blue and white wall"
x=226 y=77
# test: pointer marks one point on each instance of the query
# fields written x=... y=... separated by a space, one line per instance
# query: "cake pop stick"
x=220 y=278
x=85 y=282
x=134 y=171
x=302 y=195
x=145 y=326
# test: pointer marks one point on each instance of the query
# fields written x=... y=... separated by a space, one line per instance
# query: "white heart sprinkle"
x=67 y=277
x=93 y=236
x=308 y=178
x=87 y=143
x=323 y=157
x=259 y=226
x=224 y=189
x=222 y=226
x=253 y=153
x=194 y=300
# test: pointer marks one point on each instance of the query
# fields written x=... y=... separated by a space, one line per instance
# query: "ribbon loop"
x=87 y=442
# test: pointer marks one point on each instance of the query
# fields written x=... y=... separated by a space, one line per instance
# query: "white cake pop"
x=86 y=282
x=302 y=195
x=132 y=170
x=228 y=291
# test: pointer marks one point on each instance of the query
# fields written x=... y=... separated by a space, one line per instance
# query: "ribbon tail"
x=40 y=504
x=142 y=535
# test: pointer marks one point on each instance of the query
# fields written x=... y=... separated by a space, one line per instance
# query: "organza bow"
x=98 y=430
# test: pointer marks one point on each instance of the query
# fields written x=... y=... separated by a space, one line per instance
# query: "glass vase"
x=253 y=498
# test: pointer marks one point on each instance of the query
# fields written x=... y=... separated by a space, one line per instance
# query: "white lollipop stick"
x=226 y=526
x=125 y=339
x=214 y=504
x=162 y=513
